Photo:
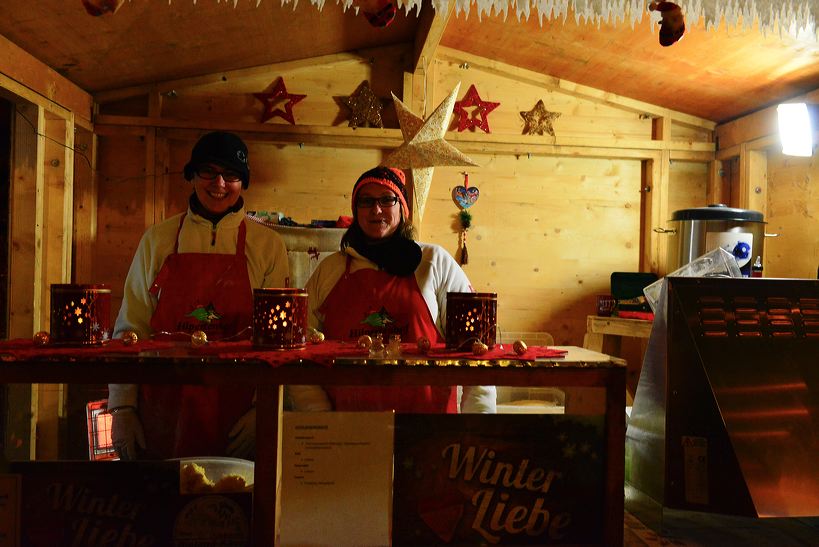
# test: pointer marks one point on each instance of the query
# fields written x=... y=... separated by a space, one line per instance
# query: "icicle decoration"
x=796 y=18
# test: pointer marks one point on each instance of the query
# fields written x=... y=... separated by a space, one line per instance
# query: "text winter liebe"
x=494 y=513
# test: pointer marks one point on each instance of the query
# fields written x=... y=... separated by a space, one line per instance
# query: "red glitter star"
x=275 y=97
x=478 y=116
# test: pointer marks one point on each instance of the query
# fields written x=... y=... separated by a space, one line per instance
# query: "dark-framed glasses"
x=209 y=173
x=366 y=202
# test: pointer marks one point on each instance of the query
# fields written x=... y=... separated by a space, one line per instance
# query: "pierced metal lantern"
x=471 y=316
x=280 y=318
x=80 y=314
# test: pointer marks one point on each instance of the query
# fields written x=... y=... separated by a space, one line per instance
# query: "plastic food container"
x=215 y=475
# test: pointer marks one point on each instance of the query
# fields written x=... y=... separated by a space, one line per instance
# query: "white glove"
x=309 y=398
x=126 y=432
x=479 y=400
x=242 y=436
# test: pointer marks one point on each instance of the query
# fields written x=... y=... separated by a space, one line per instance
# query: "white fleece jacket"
x=267 y=266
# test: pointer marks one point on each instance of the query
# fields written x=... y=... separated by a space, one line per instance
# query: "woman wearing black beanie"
x=196 y=271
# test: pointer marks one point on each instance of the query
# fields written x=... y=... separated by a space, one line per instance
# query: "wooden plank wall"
x=782 y=187
x=793 y=213
x=549 y=228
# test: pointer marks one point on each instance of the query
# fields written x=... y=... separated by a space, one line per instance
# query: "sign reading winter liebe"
x=472 y=479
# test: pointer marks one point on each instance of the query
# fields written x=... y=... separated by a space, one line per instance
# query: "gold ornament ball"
x=41 y=338
x=424 y=344
x=520 y=347
x=479 y=348
x=199 y=338
x=364 y=342
x=129 y=338
x=315 y=336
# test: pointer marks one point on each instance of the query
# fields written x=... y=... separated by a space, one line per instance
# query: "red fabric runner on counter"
x=323 y=353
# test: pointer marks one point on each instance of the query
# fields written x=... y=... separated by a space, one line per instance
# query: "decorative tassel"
x=465 y=218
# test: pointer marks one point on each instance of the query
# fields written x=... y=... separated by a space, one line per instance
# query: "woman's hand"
x=242 y=436
x=127 y=434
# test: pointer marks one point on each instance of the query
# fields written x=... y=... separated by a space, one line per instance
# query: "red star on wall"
x=279 y=94
x=478 y=116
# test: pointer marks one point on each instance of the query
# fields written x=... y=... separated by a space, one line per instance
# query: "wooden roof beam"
x=26 y=76
x=217 y=79
x=431 y=28
x=457 y=57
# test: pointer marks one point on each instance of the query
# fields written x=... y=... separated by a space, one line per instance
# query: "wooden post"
x=715 y=187
x=28 y=121
x=655 y=213
x=753 y=178
x=85 y=205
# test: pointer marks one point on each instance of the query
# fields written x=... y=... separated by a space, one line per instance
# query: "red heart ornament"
x=465 y=197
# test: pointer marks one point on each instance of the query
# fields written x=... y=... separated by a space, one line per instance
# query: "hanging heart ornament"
x=465 y=197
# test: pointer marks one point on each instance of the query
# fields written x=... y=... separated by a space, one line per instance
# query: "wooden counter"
x=580 y=367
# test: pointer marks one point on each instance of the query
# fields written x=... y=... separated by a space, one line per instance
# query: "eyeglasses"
x=209 y=173
x=366 y=202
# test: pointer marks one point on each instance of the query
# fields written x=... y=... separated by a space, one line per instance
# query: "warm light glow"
x=795 y=129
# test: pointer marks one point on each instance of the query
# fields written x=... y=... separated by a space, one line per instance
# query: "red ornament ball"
x=520 y=347
x=41 y=338
x=424 y=345
x=129 y=338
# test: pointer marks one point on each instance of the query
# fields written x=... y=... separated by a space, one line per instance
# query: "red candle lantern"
x=80 y=314
x=280 y=318
x=471 y=316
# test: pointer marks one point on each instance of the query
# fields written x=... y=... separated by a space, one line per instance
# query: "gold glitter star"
x=365 y=107
x=539 y=120
x=424 y=147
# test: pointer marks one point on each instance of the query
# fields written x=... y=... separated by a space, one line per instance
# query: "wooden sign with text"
x=473 y=479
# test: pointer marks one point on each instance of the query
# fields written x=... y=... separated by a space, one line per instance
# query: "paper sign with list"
x=336 y=478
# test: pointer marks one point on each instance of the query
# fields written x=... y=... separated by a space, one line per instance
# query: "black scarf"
x=396 y=255
x=197 y=207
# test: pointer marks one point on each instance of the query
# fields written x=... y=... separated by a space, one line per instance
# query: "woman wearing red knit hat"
x=382 y=280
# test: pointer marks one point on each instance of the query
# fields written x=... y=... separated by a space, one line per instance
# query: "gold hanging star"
x=424 y=147
x=365 y=107
x=539 y=120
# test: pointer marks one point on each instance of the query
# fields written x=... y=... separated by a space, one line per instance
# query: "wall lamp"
x=797 y=123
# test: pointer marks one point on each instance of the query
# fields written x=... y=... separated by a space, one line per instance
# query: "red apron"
x=211 y=293
x=356 y=296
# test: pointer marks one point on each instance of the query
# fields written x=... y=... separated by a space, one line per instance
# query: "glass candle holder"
x=393 y=349
x=280 y=318
x=377 y=349
x=471 y=316
x=80 y=314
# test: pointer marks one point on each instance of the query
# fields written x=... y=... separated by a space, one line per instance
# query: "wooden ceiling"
x=718 y=74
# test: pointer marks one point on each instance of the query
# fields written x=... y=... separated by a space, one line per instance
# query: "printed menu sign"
x=473 y=479
x=336 y=478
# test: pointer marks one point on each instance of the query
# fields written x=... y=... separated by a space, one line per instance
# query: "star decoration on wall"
x=365 y=107
x=424 y=147
x=478 y=117
x=275 y=97
x=539 y=120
